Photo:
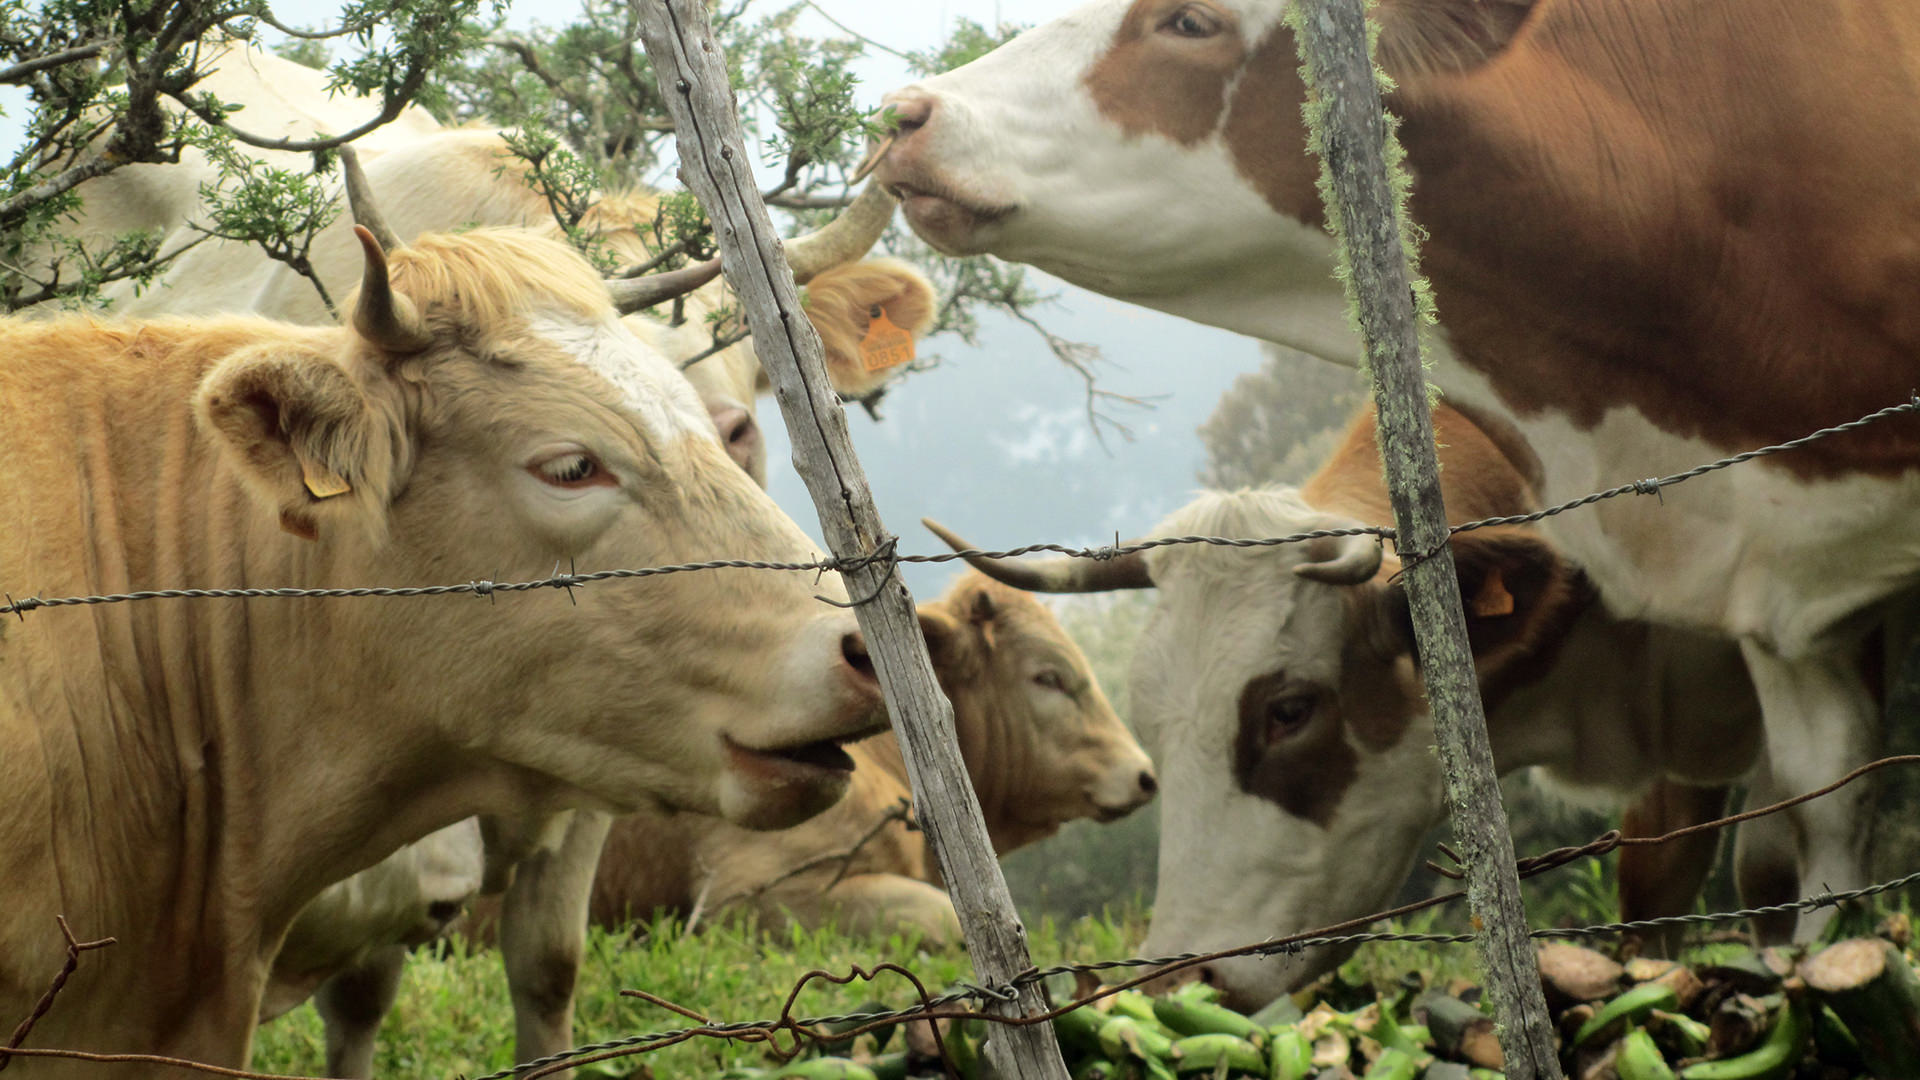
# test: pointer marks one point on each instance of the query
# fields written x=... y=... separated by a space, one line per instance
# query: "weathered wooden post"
x=714 y=164
x=1350 y=135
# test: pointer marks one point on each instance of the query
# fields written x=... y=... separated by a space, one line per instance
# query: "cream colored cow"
x=1042 y=746
x=188 y=775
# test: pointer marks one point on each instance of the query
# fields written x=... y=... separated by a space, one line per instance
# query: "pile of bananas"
x=1849 y=1012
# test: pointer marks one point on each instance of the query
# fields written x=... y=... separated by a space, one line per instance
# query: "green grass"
x=453 y=1017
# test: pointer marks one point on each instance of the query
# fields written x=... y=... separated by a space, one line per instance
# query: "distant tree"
x=1276 y=425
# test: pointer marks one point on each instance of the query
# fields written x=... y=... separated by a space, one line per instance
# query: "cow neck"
x=1615 y=224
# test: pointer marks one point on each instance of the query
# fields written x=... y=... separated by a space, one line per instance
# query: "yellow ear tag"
x=1494 y=599
x=322 y=482
x=885 y=345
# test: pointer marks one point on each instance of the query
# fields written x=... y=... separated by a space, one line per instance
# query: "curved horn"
x=844 y=239
x=383 y=316
x=633 y=294
x=1353 y=560
x=1057 y=575
x=360 y=200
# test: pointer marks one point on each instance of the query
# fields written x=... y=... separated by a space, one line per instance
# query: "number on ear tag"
x=885 y=345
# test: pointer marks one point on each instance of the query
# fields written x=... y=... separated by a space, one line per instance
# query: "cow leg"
x=1766 y=857
x=1821 y=722
x=353 y=1003
x=543 y=931
x=1660 y=881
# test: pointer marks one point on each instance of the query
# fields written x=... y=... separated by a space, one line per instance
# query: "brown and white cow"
x=1278 y=689
x=1042 y=746
x=1657 y=231
x=187 y=775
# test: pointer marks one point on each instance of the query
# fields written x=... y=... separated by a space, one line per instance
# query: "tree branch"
x=27 y=68
x=390 y=109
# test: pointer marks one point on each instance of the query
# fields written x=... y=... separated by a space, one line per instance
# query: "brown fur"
x=1030 y=775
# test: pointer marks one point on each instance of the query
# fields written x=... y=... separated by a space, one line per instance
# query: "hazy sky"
x=994 y=441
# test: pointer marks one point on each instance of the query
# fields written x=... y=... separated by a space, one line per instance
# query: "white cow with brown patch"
x=1042 y=746
x=1658 y=231
x=188 y=775
x=1279 y=690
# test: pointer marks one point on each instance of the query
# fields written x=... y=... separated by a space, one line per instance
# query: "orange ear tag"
x=322 y=482
x=885 y=345
x=1494 y=599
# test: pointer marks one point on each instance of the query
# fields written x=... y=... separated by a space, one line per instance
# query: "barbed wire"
x=883 y=552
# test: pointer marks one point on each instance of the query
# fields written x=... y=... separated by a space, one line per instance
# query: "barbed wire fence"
x=1011 y=992
x=886 y=553
x=804 y=1031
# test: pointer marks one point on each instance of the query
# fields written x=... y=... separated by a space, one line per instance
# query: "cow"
x=350 y=945
x=1042 y=746
x=1279 y=690
x=1657 y=231
x=187 y=775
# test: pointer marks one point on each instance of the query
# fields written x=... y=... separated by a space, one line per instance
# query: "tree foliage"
x=1276 y=425
x=113 y=83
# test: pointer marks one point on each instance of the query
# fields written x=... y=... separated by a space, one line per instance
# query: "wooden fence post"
x=714 y=164
x=1350 y=137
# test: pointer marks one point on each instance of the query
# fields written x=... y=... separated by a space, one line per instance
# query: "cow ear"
x=1521 y=597
x=304 y=436
x=942 y=633
x=1418 y=36
x=841 y=304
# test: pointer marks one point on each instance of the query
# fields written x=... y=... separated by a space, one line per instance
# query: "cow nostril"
x=853 y=649
x=443 y=911
x=1206 y=976
x=910 y=111
x=1148 y=785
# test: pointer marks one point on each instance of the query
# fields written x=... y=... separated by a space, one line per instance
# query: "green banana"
x=1200 y=1053
x=1080 y=1029
x=1125 y=1036
x=1204 y=1018
x=890 y=1066
x=1639 y=1059
x=1774 y=1058
x=822 y=1068
x=1392 y=1065
x=1683 y=1034
x=1631 y=1005
x=1488 y=1074
x=1135 y=1004
x=1096 y=1069
x=1289 y=1055
x=1197 y=991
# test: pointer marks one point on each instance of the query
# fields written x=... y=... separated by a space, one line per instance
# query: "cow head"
x=1154 y=150
x=1041 y=741
x=1279 y=691
x=486 y=413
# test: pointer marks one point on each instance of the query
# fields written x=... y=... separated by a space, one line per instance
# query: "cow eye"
x=1192 y=21
x=570 y=470
x=1288 y=716
x=1052 y=680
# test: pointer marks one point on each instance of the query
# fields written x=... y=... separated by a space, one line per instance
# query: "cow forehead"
x=1236 y=92
x=648 y=385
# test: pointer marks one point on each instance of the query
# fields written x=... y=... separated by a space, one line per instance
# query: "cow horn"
x=1355 y=559
x=1060 y=575
x=360 y=200
x=383 y=316
x=634 y=294
x=844 y=239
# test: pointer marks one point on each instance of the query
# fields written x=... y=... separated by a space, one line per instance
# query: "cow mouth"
x=943 y=217
x=821 y=758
